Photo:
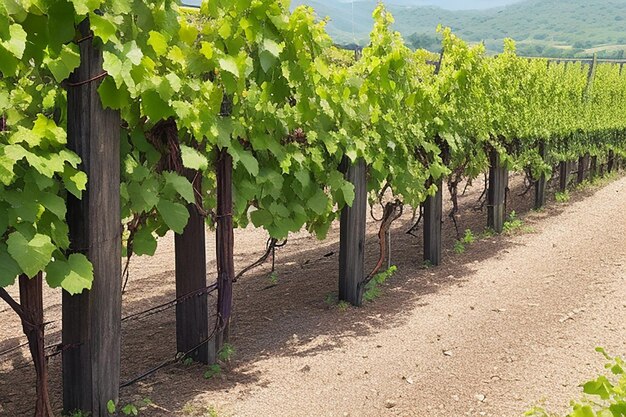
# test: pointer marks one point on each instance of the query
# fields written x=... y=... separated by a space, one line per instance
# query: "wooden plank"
x=540 y=184
x=224 y=247
x=91 y=321
x=496 y=193
x=192 y=319
x=433 y=207
x=352 y=236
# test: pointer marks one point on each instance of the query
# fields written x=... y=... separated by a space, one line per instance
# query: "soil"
x=510 y=323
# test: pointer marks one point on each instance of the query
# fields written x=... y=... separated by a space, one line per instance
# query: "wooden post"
x=352 y=235
x=496 y=193
x=563 y=175
x=433 y=207
x=224 y=247
x=540 y=184
x=611 y=162
x=192 y=319
x=593 y=168
x=92 y=320
x=583 y=167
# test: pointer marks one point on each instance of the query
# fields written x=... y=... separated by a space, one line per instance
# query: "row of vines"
x=267 y=86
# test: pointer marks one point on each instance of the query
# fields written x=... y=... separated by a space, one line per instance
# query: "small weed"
x=211 y=412
x=330 y=299
x=213 y=371
x=200 y=411
x=459 y=247
x=77 y=413
x=487 y=233
x=372 y=290
x=226 y=352
x=273 y=278
x=562 y=197
x=343 y=305
x=130 y=409
x=469 y=237
x=188 y=362
x=513 y=224
x=427 y=264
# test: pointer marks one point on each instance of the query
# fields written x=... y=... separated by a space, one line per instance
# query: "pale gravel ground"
x=506 y=326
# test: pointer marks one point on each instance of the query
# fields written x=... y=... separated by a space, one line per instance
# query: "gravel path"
x=518 y=329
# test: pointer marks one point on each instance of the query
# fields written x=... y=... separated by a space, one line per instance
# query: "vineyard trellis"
x=244 y=112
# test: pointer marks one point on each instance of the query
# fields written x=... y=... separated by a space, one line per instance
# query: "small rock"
x=455 y=398
x=306 y=368
x=480 y=397
x=447 y=353
x=390 y=404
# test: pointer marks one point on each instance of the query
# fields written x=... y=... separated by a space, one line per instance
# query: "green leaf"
x=111 y=408
x=9 y=269
x=155 y=107
x=63 y=65
x=175 y=215
x=75 y=181
x=181 y=185
x=32 y=256
x=17 y=40
x=319 y=202
x=83 y=7
x=158 y=42
x=144 y=242
x=103 y=27
x=229 y=64
x=74 y=275
x=193 y=159
x=261 y=218
x=54 y=203
x=113 y=97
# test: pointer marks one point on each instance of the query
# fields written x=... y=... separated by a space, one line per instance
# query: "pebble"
x=480 y=397
x=390 y=403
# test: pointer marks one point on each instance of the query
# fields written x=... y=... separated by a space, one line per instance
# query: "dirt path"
x=510 y=322
x=518 y=326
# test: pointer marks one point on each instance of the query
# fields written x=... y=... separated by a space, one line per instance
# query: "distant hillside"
x=548 y=27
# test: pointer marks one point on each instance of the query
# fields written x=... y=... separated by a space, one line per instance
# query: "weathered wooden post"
x=583 y=168
x=192 y=319
x=564 y=171
x=352 y=235
x=433 y=207
x=593 y=167
x=225 y=239
x=496 y=193
x=92 y=320
x=540 y=184
x=611 y=162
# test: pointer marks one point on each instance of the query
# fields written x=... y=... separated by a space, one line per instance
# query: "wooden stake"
x=192 y=319
x=496 y=194
x=433 y=207
x=352 y=236
x=92 y=320
x=224 y=247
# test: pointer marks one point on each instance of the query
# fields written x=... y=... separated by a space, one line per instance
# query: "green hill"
x=541 y=27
